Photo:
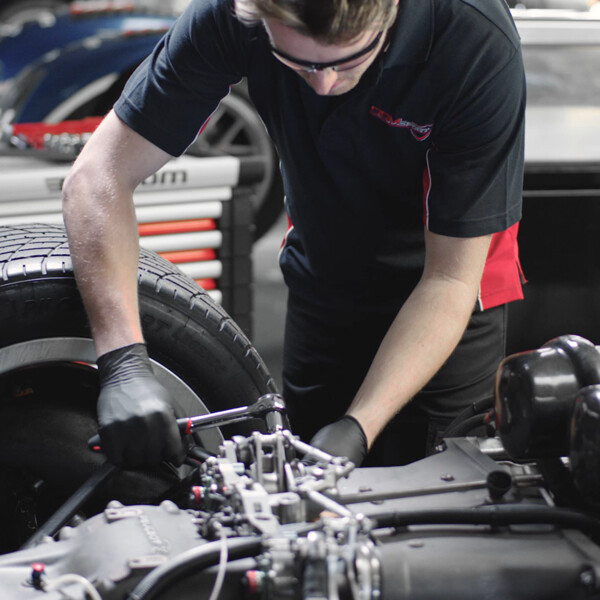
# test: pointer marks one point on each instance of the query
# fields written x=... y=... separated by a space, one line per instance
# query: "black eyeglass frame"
x=312 y=67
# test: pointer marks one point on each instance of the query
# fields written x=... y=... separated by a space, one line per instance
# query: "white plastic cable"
x=70 y=579
x=222 y=568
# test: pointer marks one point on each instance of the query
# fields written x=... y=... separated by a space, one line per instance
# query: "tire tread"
x=36 y=252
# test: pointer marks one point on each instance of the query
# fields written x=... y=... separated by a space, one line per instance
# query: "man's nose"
x=322 y=81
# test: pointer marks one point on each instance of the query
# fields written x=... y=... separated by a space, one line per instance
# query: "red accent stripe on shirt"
x=426 y=188
x=290 y=226
x=502 y=277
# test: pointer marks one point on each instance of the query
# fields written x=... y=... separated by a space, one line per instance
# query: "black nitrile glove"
x=343 y=438
x=137 y=422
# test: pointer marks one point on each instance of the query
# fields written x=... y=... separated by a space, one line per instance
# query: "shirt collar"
x=412 y=34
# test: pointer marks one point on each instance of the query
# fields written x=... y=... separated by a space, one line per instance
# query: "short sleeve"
x=474 y=169
x=176 y=89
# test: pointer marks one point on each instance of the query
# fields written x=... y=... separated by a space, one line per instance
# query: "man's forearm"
x=136 y=418
x=425 y=331
x=421 y=338
x=102 y=228
x=104 y=247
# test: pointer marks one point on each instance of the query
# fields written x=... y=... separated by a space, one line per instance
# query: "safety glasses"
x=342 y=64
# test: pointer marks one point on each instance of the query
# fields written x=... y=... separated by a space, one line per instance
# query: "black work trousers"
x=328 y=353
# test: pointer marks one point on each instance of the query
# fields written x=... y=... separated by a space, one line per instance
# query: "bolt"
x=587 y=578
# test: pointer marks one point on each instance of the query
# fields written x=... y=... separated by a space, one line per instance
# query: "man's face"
x=297 y=51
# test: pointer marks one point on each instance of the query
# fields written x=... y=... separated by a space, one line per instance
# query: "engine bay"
x=509 y=514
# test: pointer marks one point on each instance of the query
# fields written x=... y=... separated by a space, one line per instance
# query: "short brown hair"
x=329 y=21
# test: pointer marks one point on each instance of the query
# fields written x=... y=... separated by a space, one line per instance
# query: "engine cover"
x=113 y=550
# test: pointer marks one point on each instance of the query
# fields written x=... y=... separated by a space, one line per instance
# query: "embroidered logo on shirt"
x=419 y=132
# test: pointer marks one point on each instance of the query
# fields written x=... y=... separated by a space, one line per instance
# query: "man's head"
x=329 y=43
x=326 y=21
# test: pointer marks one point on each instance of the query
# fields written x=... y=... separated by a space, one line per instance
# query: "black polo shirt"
x=431 y=136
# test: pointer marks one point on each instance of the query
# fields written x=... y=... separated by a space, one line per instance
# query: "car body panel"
x=64 y=76
x=36 y=39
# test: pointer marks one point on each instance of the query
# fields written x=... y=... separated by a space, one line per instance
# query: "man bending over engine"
x=399 y=125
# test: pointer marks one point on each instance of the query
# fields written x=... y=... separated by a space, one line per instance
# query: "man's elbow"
x=74 y=187
x=70 y=185
x=85 y=189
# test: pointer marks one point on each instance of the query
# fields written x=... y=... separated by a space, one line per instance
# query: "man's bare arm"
x=135 y=415
x=102 y=228
x=425 y=332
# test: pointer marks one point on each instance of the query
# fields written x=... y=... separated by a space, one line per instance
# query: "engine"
x=270 y=517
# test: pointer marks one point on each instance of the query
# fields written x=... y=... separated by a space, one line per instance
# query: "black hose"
x=475 y=408
x=459 y=429
x=494 y=516
x=189 y=562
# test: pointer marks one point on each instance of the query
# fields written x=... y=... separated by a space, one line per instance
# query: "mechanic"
x=399 y=125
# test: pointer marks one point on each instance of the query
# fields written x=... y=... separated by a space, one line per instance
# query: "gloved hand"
x=343 y=438
x=137 y=422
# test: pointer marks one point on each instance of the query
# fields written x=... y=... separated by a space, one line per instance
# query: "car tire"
x=193 y=342
x=49 y=385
